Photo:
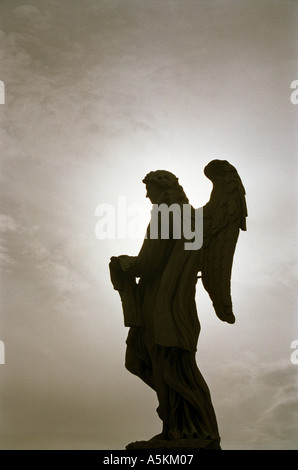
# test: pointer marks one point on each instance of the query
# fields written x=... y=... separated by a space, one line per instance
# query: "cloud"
x=32 y=17
x=96 y=96
x=7 y=223
x=259 y=409
x=57 y=265
x=7 y=226
x=278 y=423
x=60 y=269
x=6 y=261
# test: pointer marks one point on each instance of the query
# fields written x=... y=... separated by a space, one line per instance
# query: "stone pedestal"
x=175 y=445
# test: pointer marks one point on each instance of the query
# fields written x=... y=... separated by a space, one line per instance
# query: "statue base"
x=175 y=444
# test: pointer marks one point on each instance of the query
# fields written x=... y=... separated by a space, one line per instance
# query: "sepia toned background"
x=97 y=94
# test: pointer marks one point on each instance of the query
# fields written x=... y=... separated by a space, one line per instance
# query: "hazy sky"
x=99 y=93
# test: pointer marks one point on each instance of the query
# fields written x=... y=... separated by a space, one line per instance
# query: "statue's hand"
x=126 y=262
x=114 y=263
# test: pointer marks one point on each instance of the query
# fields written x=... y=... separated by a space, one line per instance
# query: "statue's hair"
x=166 y=180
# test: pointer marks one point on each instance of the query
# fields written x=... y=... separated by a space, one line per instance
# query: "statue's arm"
x=152 y=257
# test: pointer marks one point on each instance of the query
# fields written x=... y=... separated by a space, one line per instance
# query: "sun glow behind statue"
x=96 y=97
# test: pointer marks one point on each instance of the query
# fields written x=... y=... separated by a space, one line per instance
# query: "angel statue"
x=157 y=290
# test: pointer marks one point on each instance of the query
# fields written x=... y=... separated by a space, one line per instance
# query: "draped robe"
x=160 y=311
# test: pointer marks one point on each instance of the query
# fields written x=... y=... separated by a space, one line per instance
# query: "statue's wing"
x=224 y=215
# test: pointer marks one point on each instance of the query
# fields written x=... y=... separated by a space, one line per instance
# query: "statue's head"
x=163 y=187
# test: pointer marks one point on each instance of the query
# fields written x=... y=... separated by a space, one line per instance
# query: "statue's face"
x=154 y=193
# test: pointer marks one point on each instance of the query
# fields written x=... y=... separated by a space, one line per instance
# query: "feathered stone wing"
x=224 y=215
